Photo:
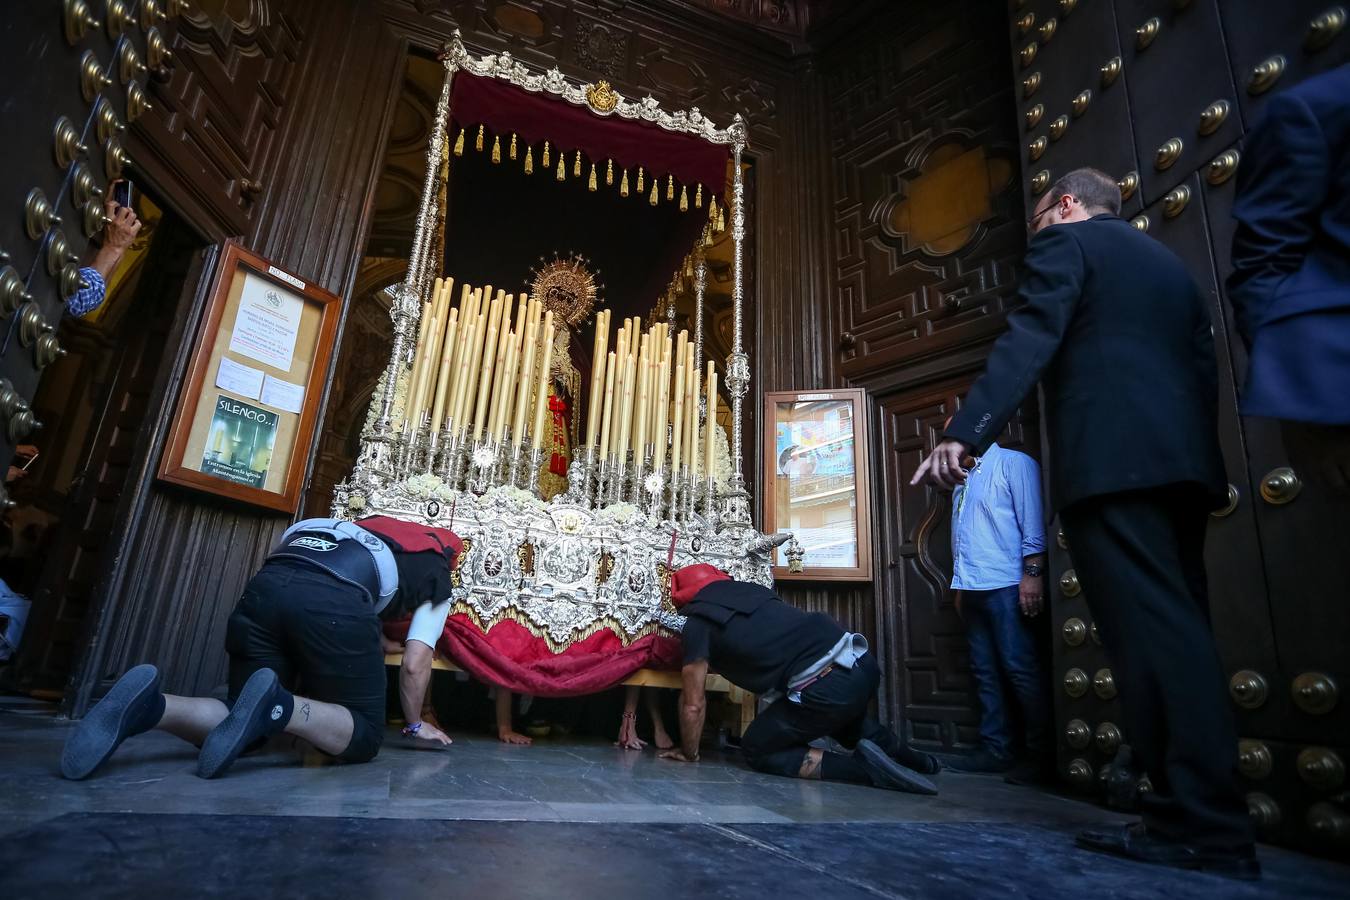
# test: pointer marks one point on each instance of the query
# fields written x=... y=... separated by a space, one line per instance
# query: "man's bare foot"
x=509 y=736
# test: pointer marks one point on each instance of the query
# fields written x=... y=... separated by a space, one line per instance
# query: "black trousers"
x=1139 y=556
x=835 y=706
x=317 y=634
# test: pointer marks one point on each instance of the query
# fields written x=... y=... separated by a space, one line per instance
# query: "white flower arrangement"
x=511 y=494
x=618 y=513
x=425 y=486
x=400 y=398
x=356 y=503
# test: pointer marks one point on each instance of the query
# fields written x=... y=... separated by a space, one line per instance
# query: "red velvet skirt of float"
x=510 y=656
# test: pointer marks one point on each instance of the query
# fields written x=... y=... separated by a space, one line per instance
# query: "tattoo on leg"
x=304 y=708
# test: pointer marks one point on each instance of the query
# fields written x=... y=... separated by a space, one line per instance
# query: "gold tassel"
x=459 y=143
x=652 y=198
x=721 y=222
x=513 y=145
x=712 y=210
x=698 y=196
x=562 y=169
x=546 y=162
x=670 y=187
x=529 y=160
x=478 y=144
x=609 y=173
x=707 y=237
x=640 y=182
x=623 y=185
x=591 y=186
x=497 y=149
x=684 y=198
x=576 y=165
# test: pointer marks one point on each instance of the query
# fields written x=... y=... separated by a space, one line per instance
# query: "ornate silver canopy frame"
x=578 y=563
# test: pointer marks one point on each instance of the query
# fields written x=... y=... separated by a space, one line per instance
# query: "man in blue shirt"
x=121 y=230
x=998 y=558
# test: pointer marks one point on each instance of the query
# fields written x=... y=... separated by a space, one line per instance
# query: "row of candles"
x=481 y=382
x=473 y=373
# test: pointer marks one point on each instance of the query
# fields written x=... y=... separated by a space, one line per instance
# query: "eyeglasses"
x=1031 y=223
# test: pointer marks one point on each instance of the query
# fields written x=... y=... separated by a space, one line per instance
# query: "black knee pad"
x=365 y=743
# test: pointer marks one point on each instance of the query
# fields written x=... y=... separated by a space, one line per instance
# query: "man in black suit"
x=1118 y=332
x=1290 y=285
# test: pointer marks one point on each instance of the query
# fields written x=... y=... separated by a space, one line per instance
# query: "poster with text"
x=267 y=324
x=240 y=444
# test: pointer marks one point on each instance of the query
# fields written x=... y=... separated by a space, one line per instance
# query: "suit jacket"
x=1115 y=325
x=1290 y=286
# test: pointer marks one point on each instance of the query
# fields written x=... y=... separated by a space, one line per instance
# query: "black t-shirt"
x=759 y=652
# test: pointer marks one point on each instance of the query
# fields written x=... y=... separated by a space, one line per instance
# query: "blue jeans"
x=1001 y=646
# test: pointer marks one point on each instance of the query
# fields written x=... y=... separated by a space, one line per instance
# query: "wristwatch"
x=1033 y=569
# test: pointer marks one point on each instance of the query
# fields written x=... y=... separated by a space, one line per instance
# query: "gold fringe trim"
x=529 y=160
x=478 y=143
x=684 y=198
x=591 y=185
x=670 y=187
x=623 y=185
x=546 y=162
x=576 y=165
x=562 y=169
x=653 y=198
x=459 y=143
x=513 y=145
x=497 y=149
x=609 y=173
x=698 y=197
x=640 y=183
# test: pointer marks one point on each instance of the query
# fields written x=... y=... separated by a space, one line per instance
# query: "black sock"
x=286 y=700
x=841 y=767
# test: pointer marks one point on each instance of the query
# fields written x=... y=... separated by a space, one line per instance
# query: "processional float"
x=454 y=436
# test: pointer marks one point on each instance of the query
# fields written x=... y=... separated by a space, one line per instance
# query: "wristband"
x=411 y=730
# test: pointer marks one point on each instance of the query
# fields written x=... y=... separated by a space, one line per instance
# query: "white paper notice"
x=283 y=394
x=267 y=323
x=245 y=381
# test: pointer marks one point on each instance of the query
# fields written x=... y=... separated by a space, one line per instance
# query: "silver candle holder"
x=532 y=476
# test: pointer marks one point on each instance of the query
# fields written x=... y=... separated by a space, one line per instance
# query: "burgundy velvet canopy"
x=503 y=108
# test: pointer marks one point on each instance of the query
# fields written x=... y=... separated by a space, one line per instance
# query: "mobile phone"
x=28 y=462
x=122 y=193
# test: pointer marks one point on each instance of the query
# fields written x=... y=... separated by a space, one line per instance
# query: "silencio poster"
x=239 y=446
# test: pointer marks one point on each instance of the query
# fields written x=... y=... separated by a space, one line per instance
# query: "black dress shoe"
x=1138 y=843
x=887 y=773
x=981 y=762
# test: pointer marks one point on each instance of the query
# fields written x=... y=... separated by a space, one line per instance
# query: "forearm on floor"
x=414 y=677
x=691 y=725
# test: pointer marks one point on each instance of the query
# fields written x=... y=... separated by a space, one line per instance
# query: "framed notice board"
x=816 y=482
x=245 y=421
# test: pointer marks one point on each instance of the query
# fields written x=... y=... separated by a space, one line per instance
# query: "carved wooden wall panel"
x=917 y=109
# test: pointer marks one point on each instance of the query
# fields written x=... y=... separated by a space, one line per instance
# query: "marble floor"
x=563 y=818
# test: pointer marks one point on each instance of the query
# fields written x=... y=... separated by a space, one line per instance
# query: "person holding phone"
x=122 y=228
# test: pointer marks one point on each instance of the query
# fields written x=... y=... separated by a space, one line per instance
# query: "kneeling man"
x=822 y=677
x=312 y=612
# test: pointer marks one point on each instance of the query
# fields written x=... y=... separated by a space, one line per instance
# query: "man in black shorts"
x=312 y=614
x=821 y=680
